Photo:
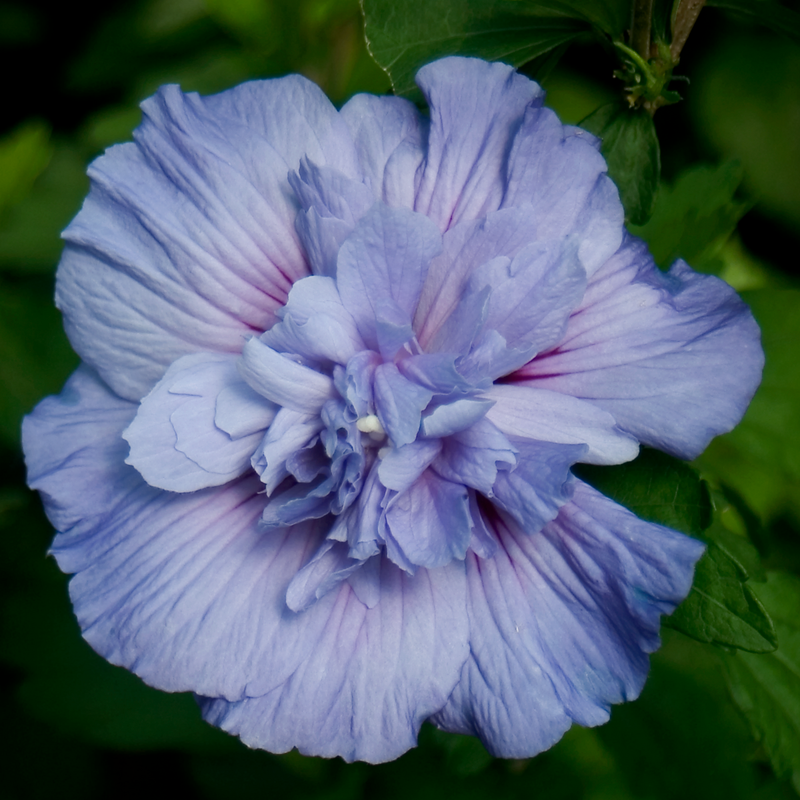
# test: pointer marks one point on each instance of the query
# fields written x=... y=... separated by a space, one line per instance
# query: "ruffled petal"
x=332 y=204
x=466 y=247
x=675 y=358
x=315 y=325
x=561 y=622
x=282 y=380
x=532 y=413
x=428 y=525
x=389 y=135
x=372 y=677
x=476 y=108
x=175 y=441
x=399 y=403
x=186 y=242
x=385 y=260
x=558 y=170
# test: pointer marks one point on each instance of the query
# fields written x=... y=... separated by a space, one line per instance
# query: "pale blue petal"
x=240 y=411
x=454 y=417
x=328 y=567
x=429 y=524
x=539 y=484
x=289 y=432
x=548 y=416
x=185 y=590
x=186 y=242
x=476 y=109
x=473 y=456
x=399 y=404
x=175 y=443
x=531 y=298
x=356 y=382
x=372 y=676
x=674 y=358
x=466 y=247
x=282 y=380
x=315 y=325
x=385 y=258
x=401 y=466
x=561 y=622
x=332 y=203
x=389 y=134
x=558 y=170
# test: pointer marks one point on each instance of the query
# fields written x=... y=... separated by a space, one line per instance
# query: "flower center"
x=373 y=434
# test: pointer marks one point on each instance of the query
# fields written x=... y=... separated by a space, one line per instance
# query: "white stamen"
x=370 y=424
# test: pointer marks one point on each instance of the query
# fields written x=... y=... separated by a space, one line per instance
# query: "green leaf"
x=693 y=218
x=772 y=15
x=767 y=687
x=402 y=35
x=722 y=609
x=655 y=487
x=630 y=146
x=30 y=233
x=24 y=153
x=760 y=458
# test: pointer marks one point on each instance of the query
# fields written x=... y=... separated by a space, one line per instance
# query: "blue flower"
x=315 y=467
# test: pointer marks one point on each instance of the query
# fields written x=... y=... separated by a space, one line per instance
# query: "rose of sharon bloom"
x=315 y=467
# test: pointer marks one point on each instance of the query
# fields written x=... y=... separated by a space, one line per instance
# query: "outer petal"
x=373 y=677
x=561 y=622
x=476 y=108
x=187 y=241
x=185 y=590
x=176 y=442
x=675 y=358
x=534 y=413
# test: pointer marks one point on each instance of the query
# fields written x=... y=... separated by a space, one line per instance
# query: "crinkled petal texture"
x=337 y=368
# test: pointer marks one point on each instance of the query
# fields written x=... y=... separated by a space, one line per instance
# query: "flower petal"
x=476 y=108
x=389 y=134
x=533 y=413
x=315 y=325
x=385 y=259
x=185 y=590
x=399 y=404
x=175 y=442
x=428 y=525
x=332 y=204
x=282 y=380
x=675 y=358
x=186 y=242
x=466 y=247
x=558 y=170
x=373 y=676
x=561 y=622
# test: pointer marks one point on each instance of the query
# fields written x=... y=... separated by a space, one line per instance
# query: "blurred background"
x=73 y=75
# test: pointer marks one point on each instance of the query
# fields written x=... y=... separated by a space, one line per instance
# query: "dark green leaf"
x=760 y=458
x=402 y=35
x=695 y=217
x=630 y=146
x=24 y=153
x=722 y=609
x=657 y=488
x=30 y=233
x=770 y=14
x=767 y=687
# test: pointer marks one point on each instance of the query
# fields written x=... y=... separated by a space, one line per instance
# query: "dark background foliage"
x=720 y=714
